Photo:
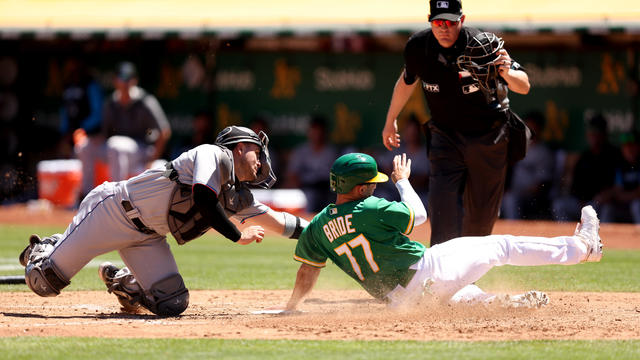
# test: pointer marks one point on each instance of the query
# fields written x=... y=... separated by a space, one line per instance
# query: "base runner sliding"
x=366 y=237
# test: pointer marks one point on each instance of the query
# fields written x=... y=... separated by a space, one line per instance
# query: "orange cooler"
x=59 y=181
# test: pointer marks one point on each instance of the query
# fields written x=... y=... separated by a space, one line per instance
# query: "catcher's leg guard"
x=43 y=277
x=168 y=297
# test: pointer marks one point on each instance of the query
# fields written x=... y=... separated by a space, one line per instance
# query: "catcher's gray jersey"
x=103 y=223
x=151 y=191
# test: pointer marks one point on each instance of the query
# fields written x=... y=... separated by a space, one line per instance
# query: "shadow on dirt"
x=97 y=316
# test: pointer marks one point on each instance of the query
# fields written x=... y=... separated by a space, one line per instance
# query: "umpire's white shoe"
x=587 y=230
x=114 y=278
x=529 y=300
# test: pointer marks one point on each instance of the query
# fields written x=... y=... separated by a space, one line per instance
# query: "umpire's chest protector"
x=185 y=221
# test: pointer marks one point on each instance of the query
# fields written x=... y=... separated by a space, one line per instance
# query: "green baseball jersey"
x=366 y=239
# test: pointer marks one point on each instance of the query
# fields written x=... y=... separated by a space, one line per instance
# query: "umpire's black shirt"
x=454 y=98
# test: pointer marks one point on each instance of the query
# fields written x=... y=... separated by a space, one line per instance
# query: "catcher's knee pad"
x=43 y=277
x=167 y=297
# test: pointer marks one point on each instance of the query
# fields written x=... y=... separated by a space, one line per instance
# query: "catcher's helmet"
x=232 y=135
x=354 y=169
x=479 y=58
x=236 y=134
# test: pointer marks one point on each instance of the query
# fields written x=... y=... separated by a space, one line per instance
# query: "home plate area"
x=343 y=314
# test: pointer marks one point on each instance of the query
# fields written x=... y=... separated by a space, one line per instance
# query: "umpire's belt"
x=134 y=215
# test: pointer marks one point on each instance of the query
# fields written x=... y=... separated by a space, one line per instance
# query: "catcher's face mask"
x=236 y=134
x=480 y=57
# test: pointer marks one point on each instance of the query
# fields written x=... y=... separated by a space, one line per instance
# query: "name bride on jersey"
x=338 y=227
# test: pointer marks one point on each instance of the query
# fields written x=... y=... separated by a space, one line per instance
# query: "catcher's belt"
x=133 y=213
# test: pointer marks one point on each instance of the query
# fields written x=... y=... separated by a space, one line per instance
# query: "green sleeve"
x=397 y=215
x=308 y=251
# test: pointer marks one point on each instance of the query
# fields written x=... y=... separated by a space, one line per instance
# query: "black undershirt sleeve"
x=410 y=65
x=207 y=203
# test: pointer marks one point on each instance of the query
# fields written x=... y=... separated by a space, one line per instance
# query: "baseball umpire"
x=197 y=191
x=465 y=75
x=366 y=237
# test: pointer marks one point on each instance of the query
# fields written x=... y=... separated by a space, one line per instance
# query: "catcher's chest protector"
x=185 y=221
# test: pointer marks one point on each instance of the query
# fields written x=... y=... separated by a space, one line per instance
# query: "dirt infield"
x=328 y=314
x=335 y=315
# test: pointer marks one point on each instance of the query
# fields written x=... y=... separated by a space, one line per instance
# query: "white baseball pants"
x=453 y=265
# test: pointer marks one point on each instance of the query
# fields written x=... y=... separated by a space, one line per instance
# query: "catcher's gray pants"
x=101 y=226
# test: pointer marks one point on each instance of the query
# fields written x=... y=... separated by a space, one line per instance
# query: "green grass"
x=215 y=263
x=103 y=348
x=617 y=271
x=210 y=262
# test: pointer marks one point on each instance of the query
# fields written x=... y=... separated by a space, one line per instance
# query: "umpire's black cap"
x=445 y=10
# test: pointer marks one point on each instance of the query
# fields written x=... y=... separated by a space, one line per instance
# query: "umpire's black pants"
x=466 y=183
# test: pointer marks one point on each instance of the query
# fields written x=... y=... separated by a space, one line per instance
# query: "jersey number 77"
x=362 y=241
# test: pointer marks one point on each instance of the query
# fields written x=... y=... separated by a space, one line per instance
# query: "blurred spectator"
x=309 y=164
x=593 y=175
x=258 y=124
x=416 y=150
x=134 y=124
x=622 y=203
x=528 y=194
x=81 y=102
x=81 y=119
x=202 y=132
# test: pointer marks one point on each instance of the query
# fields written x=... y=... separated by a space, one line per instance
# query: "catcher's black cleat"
x=114 y=279
x=24 y=255
x=107 y=272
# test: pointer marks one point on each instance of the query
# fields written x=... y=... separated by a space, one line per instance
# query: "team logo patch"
x=442 y=4
x=468 y=89
x=434 y=88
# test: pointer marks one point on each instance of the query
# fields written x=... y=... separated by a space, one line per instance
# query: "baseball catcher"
x=199 y=190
